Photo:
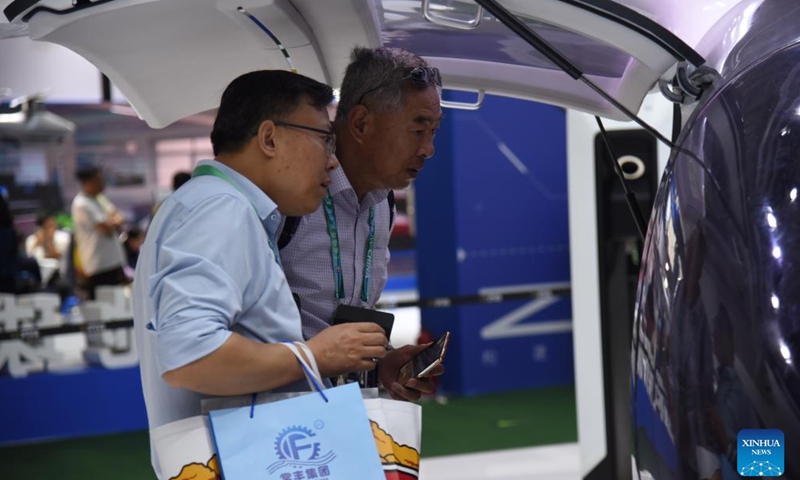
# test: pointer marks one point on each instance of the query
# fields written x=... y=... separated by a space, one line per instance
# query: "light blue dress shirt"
x=206 y=270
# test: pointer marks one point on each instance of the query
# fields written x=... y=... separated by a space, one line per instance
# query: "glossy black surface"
x=717 y=328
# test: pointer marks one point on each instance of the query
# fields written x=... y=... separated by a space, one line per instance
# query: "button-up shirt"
x=307 y=258
x=206 y=270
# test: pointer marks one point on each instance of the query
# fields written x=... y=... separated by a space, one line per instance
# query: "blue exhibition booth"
x=492 y=213
x=75 y=403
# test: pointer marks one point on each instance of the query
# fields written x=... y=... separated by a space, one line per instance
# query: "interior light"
x=787 y=354
x=13 y=117
x=772 y=221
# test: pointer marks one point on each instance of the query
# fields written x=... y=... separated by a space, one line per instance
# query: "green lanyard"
x=202 y=170
x=336 y=255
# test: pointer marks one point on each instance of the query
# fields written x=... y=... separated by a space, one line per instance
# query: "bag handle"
x=309 y=357
x=309 y=366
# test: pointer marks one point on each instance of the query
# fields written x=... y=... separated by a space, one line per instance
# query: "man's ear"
x=358 y=122
x=266 y=138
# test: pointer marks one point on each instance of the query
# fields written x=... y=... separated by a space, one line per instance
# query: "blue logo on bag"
x=760 y=453
x=298 y=448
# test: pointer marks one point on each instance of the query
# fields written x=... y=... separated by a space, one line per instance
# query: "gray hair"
x=375 y=76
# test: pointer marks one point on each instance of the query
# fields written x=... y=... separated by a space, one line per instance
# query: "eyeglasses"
x=420 y=76
x=329 y=136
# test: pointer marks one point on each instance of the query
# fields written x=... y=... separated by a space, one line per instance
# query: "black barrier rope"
x=30 y=333
x=494 y=297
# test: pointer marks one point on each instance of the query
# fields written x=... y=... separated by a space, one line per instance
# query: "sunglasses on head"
x=419 y=76
x=424 y=76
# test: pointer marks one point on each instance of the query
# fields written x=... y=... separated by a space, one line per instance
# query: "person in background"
x=132 y=240
x=386 y=120
x=48 y=245
x=97 y=222
x=9 y=252
x=18 y=273
x=211 y=302
x=179 y=179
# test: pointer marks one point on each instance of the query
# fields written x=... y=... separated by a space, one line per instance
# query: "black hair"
x=258 y=96
x=133 y=232
x=42 y=216
x=86 y=172
x=179 y=179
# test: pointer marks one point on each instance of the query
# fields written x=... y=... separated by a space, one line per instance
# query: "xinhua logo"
x=760 y=453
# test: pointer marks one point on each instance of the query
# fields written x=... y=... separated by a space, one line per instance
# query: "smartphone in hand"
x=421 y=365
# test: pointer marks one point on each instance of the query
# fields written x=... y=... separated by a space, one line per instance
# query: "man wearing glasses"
x=386 y=120
x=211 y=303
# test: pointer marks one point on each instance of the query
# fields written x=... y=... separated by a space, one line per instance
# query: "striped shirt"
x=307 y=258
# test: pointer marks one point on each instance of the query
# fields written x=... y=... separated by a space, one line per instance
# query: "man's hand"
x=112 y=223
x=39 y=238
x=117 y=219
x=50 y=250
x=349 y=347
x=389 y=369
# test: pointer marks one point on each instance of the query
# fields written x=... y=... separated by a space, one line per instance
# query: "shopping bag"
x=185 y=450
x=324 y=435
x=397 y=430
x=396 y=427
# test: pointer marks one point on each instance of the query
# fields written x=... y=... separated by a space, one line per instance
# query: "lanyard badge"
x=336 y=254
x=209 y=170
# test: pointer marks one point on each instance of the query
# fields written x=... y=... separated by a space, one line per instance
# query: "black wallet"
x=350 y=314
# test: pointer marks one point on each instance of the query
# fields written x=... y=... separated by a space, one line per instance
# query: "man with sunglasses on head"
x=386 y=120
x=211 y=302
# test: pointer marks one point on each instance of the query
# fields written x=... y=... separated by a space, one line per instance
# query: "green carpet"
x=123 y=456
x=462 y=425
x=499 y=421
